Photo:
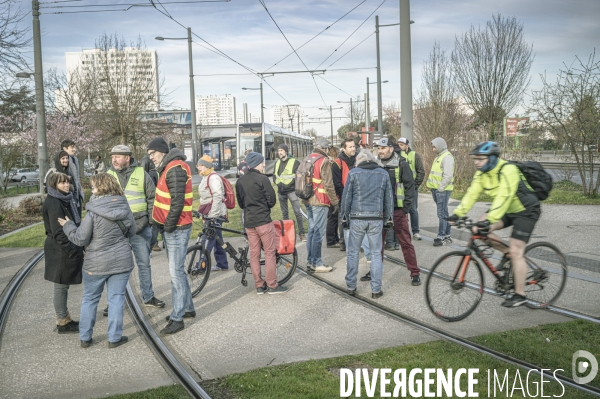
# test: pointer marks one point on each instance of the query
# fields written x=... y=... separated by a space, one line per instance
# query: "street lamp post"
x=192 y=95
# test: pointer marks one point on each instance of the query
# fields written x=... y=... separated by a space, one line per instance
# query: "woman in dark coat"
x=63 y=258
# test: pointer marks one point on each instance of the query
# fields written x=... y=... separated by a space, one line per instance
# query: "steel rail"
x=439 y=333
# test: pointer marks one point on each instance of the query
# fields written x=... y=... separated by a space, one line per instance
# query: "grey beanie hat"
x=321 y=142
x=121 y=149
x=254 y=159
x=284 y=147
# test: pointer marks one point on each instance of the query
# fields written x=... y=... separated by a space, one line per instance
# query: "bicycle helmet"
x=486 y=148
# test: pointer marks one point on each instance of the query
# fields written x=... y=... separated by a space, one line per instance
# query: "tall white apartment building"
x=286 y=116
x=133 y=68
x=215 y=110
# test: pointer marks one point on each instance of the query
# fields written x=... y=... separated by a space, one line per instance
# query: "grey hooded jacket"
x=107 y=249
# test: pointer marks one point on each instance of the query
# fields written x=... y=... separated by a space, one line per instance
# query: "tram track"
x=160 y=350
x=442 y=334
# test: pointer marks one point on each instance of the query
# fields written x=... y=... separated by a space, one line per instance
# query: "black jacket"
x=256 y=197
x=406 y=179
x=419 y=169
x=286 y=188
x=63 y=258
x=336 y=172
x=176 y=182
x=149 y=168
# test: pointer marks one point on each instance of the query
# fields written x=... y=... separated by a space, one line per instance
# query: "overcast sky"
x=558 y=29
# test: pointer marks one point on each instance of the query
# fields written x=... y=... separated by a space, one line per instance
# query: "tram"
x=265 y=138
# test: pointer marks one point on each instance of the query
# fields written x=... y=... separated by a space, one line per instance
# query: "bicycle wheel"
x=285 y=266
x=197 y=267
x=546 y=274
x=454 y=290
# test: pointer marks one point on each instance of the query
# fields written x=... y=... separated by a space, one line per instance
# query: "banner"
x=514 y=127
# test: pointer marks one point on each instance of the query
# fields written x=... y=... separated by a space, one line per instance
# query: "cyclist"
x=515 y=204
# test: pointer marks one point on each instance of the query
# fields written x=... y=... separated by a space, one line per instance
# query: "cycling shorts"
x=523 y=222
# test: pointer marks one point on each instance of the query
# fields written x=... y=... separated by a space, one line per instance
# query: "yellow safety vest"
x=286 y=176
x=410 y=158
x=399 y=189
x=135 y=190
x=435 y=175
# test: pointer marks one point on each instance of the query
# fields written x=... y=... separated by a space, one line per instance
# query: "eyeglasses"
x=151 y=153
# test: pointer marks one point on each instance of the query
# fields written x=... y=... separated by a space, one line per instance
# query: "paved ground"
x=236 y=330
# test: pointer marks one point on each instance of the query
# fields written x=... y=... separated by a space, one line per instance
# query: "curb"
x=18 y=230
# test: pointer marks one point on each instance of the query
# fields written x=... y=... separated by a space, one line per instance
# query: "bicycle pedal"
x=245 y=283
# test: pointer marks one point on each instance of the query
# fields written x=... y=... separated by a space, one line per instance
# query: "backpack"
x=539 y=180
x=229 y=195
x=304 y=174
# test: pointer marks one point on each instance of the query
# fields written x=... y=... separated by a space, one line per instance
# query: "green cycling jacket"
x=509 y=189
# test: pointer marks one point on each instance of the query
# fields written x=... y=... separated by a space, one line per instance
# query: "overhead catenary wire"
x=343 y=91
x=365 y=39
x=351 y=34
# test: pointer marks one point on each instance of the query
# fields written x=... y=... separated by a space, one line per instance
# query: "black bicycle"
x=198 y=262
x=455 y=283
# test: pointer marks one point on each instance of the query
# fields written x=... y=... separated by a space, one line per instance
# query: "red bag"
x=229 y=194
x=287 y=236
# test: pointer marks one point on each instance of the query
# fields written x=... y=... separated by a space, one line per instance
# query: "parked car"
x=25 y=174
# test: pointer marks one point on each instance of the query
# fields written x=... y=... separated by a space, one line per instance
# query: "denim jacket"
x=367 y=194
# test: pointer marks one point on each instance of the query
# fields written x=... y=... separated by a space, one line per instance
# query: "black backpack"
x=539 y=180
x=304 y=174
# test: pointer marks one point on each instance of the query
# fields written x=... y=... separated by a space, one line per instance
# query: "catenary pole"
x=405 y=72
x=40 y=108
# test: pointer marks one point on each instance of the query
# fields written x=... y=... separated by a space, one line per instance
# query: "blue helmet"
x=486 y=148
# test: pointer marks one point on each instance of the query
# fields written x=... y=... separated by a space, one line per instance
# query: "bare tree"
x=491 y=67
x=14 y=39
x=570 y=110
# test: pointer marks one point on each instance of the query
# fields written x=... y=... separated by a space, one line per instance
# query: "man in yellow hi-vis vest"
x=139 y=190
x=284 y=177
x=441 y=183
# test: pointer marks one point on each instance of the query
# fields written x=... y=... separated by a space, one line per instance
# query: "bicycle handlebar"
x=468 y=223
x=198 y=215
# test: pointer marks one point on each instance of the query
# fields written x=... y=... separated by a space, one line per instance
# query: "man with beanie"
x=418 y=172
x=441 y=183
x=342 y=166
x=173 y=211
x=139 y=190
x=78 y=195
x=256 y=197
x=317 y=206
x=149 y=168
x=284 y=177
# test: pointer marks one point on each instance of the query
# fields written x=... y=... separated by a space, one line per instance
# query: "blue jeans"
x=372 y=230
x=414 y=213
x=220 y=254
x=93 y=285
x=364 y=245
x=441 y=200
x=140 y=244
x=181 y=295
x=317 y=225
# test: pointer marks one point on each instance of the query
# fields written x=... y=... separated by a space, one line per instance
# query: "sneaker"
x=376 y=295
x=447 y=240
x=186 y=315
x=70 y=327
x=303 y=237
x=323 y=269
x=156 y=248
x=438 y=242
x=120 y=342
x=415 y=280
x=310 y=267
x=351 y=291
x=216 y=268
x=389 y=247
x=366 y=277
x=343 y=247
x=417 y=237
x=154 y=303
x=514 y=301
x=172 y=327
x=105 y=312
x=336 y=245
x=260 y=290
x=86 y=344
x=369 y=262
x=396 y=246
x=279 y=290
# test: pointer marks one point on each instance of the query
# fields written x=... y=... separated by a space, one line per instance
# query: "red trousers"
x=263 y=236
x=402 y=231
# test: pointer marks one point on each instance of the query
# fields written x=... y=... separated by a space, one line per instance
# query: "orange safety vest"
x=317 y=182
x=345 y=170
x=162 y=200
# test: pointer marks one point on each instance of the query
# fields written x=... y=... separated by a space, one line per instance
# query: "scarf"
x=207 y=172
x=54 y=193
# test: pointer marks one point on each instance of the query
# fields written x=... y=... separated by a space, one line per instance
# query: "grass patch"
x=33 y=237
x=320 y=378
x=166 y=392
x=14 y=190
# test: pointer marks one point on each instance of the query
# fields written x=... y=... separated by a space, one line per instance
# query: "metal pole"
x=351 y=115
x=367 y=110
x=379 y=104
x=40 y=108
x=193 y=101
x=331 y=120
x=262 y=113
x=405 y=73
